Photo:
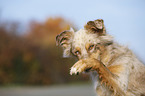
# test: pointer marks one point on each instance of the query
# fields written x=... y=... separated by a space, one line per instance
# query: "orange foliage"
x=44 y=33
x=33 y=58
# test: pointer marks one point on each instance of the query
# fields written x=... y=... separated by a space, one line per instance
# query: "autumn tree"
x=32 y=58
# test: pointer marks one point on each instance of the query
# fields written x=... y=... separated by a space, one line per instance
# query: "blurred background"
x=29 y=56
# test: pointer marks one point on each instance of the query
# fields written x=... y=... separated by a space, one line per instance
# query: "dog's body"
x=115 y=69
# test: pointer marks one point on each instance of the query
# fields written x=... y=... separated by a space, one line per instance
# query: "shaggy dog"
x=115 y=70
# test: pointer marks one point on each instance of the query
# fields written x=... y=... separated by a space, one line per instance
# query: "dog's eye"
x=76 y=52
x=91 y=47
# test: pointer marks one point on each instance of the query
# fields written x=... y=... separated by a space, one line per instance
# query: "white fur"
x=128 y=79
x=81 y=37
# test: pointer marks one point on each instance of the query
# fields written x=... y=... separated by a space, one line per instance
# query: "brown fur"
x=119 y=72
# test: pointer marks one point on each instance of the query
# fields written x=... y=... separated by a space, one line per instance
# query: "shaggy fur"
x=115 y=70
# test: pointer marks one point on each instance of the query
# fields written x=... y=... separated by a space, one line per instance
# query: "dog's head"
x=85 y=42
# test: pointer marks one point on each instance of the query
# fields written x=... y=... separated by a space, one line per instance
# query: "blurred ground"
x=61 y=90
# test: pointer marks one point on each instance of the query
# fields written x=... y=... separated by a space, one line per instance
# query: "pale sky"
x=124 y=19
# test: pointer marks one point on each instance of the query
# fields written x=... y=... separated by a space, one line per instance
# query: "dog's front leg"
x=106 y=76
x=84 y=65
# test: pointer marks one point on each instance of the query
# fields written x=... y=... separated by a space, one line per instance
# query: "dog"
x=115 y=70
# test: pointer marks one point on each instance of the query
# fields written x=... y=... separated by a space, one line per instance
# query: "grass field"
x=57 y=90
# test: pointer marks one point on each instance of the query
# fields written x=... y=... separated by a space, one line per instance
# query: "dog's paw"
x=84 y=65
x=78 y=67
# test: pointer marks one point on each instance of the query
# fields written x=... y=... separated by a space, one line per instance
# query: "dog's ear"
x=64 y=39
x=99 y=23
x=96 y=26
